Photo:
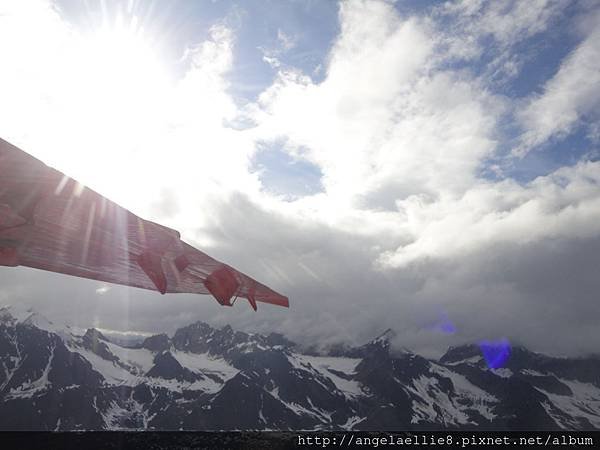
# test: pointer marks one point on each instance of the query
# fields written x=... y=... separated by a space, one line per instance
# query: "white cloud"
x=286 y=41
x=383 y=126
x=405 y=227
x=506 y=21
x=570 y=95
x=491 y=34
x=375 y=58
x=400 y=142
x=562 y=205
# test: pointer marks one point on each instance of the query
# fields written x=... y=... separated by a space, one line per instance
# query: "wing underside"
x=51 y=222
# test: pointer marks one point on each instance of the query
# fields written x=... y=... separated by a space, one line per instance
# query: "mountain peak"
x=385 y=338
x=157 y=343
x=461 y=353
x=227 y=329
x=196 y=381
x=95 y=341
x=15 y=313
x=167 y=367
x=93 y=333
x=27 y=316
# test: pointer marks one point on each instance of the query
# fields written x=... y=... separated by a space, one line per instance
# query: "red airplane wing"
x=51 y=222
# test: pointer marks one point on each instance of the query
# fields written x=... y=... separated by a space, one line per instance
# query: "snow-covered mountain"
x=55 y=378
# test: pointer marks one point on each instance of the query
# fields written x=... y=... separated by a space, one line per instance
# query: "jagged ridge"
x=208 y=378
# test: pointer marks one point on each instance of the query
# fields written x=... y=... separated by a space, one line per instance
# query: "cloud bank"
x=406 y=230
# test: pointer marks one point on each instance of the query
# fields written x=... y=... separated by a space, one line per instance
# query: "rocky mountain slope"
x=54 y=378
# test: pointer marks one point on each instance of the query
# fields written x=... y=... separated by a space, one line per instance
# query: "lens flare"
x=444 y=324
x=495 y=353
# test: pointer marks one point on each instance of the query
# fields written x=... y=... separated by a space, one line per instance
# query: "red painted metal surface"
x=51 y=222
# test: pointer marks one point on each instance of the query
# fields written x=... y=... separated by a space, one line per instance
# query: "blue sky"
x=300 y=35
x=260 y=26
x=271 y=36
x=384 y=163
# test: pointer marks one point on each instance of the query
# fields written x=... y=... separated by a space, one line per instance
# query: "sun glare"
x=125 y=68
x=116 y=89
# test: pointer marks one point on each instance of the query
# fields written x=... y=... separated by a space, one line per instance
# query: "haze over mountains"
x=202 y=378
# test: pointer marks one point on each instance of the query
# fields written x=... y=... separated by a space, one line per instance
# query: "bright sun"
x=125 y=68
x=115 y=90
x=120 y=116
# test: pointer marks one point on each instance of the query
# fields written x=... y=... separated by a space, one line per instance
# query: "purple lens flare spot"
x=443 y=324
x=495 y=353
